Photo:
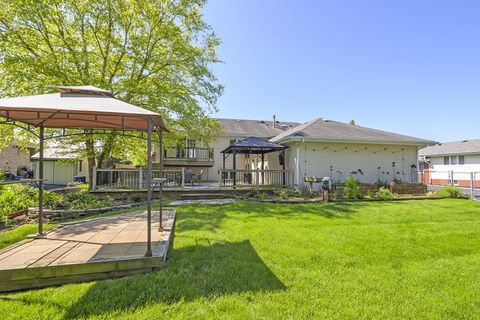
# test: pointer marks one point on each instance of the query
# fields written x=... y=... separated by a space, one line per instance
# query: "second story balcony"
x=202 y=157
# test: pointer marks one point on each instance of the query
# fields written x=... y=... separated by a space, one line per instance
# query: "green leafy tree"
x=156 y=54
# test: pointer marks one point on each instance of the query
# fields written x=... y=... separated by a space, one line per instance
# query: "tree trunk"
x=90 y=148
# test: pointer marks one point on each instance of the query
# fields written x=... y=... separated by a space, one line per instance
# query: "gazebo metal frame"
x=257 y=146
x=48 y=111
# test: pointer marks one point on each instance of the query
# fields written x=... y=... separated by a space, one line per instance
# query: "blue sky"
x=409 y=66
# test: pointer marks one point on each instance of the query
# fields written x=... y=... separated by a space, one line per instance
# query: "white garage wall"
x=339 y=160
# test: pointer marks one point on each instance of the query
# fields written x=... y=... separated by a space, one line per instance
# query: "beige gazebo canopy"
x=83 y=107
x=78 y=107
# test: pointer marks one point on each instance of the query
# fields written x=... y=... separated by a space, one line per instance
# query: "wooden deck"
x=82 y=251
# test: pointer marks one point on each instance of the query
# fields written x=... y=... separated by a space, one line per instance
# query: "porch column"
x=283 y=166
x=40 y=182
x=160 y=138
x=263 y=169
x=149 y=187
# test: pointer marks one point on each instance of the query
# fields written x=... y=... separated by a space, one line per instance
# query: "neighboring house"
x=451 y=163
x=60 y=168
x=13 y=159
x=317 y=148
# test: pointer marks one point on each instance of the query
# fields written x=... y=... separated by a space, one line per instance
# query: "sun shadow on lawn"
x=203 y=218
x=191 y=273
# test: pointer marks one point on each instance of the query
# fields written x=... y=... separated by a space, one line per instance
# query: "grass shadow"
x=191 y=273
x=199 y=217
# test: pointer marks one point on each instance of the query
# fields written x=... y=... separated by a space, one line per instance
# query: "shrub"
x=385 y=194
x=351 y=189
x=282 y=193
x=449 y=192
x=262 y=195
x=302 y=192
x=135 y=198
x=52 y=199
x=17 y=197
x=85 y=200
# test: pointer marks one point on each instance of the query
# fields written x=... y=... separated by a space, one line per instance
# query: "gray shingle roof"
x=254 y=144
x=455 y=147
x=329 y=130
x=257 y=128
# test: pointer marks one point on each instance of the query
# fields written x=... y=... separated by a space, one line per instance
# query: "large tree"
x=155 y=54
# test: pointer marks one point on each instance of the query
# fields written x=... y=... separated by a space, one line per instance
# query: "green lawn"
x=19 y=233
x=367 y=260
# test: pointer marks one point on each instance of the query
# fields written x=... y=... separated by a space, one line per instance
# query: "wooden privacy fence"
x=230 y=178
x=135 y=178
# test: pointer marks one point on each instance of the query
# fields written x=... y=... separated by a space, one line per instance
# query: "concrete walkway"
x=98 y=240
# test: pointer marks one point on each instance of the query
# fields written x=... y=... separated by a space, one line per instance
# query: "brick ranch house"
x=319 y=148
x=451 y=163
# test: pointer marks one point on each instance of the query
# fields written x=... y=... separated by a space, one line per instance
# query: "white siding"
x=56 y=172
x=461 y=172
x=340 y=160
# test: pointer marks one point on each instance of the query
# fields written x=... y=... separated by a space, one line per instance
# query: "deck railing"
x=134 y=178
x=198 y=154
x=230 y=178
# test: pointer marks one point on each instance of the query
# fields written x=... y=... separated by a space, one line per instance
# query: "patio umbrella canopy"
x=79 y=107
x=83 y=107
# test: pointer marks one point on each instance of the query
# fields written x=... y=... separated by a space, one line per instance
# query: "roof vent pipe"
x=274 y=121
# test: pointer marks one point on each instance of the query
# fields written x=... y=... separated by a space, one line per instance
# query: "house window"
x=446 y=160
x=80 y=165
x=233 y=141
x=461 y=160
x=453 y=160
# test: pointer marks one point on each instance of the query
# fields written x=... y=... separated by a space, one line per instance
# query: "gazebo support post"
x=160 y=138
x=234 y=154
x=149 y=187
x=40 y=182
x=223 y=173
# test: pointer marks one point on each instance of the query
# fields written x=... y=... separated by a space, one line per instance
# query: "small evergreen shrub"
x=385 y=194
x=449 y=192
x=351 y=189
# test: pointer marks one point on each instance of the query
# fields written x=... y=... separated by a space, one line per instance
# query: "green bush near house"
x=385 y=194
x=351 y=189
x=301 y=193
x=84 y=200
x=449 y=192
